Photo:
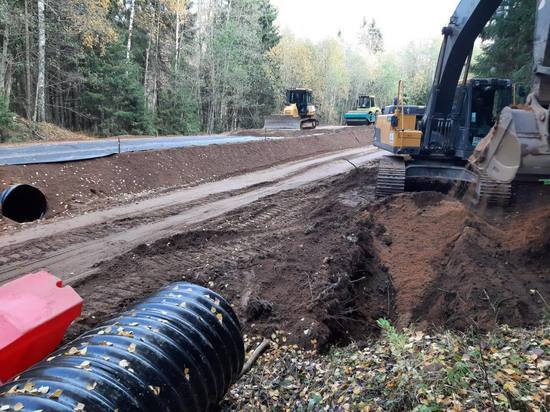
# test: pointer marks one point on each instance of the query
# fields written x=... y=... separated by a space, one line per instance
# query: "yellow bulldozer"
x=299 y=112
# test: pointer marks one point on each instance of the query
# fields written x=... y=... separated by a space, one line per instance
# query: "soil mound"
x=450 y=267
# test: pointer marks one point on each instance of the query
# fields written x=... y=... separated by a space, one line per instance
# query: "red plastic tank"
x=35 y=312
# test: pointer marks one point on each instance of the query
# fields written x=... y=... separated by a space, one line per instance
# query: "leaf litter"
x=408 y=370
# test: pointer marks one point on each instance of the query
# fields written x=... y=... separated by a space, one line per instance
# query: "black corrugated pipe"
x=23 y=203
x=178 y=350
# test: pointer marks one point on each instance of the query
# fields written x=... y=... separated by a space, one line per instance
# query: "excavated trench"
x=324 y=262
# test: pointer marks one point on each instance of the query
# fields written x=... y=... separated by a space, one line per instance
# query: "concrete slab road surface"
x=66 y=152
x=71 y=248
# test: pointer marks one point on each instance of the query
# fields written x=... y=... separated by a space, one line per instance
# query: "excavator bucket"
x=499 y=154
x=278 y=122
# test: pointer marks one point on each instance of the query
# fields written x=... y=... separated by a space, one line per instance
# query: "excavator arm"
x=466 y=24
x=519 y=142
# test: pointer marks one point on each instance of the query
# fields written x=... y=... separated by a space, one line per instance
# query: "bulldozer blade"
x=278 y=122
x=499 y=154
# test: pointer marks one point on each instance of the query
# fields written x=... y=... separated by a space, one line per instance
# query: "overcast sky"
x=399 y=20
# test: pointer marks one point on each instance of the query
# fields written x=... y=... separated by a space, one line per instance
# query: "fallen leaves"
x=56 y=394
x=411 y=369
x=154 y=389
x=123 y=363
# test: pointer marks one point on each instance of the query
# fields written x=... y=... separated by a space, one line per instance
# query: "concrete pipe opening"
x=23 y=203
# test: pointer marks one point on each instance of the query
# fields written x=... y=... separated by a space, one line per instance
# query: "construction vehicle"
x=364 y=111
x=434 y=144
x=299 y=112
x=518 y=147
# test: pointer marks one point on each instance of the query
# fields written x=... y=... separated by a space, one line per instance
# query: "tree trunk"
x=40 y=102
x=28 y=80
x=4 y=60
x=130 y=29
x=152 y=64
x=177 y=51
x=8 y=81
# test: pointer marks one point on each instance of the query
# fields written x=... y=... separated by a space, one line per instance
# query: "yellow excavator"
x=299 y=112
x=467 y=133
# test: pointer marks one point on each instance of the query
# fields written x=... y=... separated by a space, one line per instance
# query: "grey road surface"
x=67 y=152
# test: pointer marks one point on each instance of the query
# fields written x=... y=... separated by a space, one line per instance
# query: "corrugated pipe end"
x=178 y=350
x=23 y=203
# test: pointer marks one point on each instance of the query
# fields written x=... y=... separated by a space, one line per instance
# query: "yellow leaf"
x=56 y=394
x=29 y=386
x=154 y=389
x=510 y=387
x=13 y=389
x=18 y=406
x=72 y=351
x=132 y=348
x=220 y=317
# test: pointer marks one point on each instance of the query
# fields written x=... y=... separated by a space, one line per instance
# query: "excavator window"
x=487 y=103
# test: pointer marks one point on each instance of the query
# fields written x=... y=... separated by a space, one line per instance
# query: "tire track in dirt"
x=226 y=243
x=81 y=252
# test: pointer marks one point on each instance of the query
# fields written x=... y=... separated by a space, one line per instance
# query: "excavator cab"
x=477 y=108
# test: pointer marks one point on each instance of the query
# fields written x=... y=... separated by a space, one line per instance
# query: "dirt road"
x=75 y=188
x=72 y=248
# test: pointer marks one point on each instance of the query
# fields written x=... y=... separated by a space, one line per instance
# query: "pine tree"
x=508 y=43
x=113 y=98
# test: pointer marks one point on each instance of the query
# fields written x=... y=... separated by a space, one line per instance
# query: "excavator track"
x=493 y=192
x=391 y=176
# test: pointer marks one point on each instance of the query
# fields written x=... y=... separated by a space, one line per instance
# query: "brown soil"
x=455 y=268
x=285 y=263
x=323 y=263
x=78 y=187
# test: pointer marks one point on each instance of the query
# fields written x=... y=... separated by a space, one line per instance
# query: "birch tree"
x=130 y=29
x=40 y=102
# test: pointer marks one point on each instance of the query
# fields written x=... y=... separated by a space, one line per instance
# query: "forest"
x=158 y=67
